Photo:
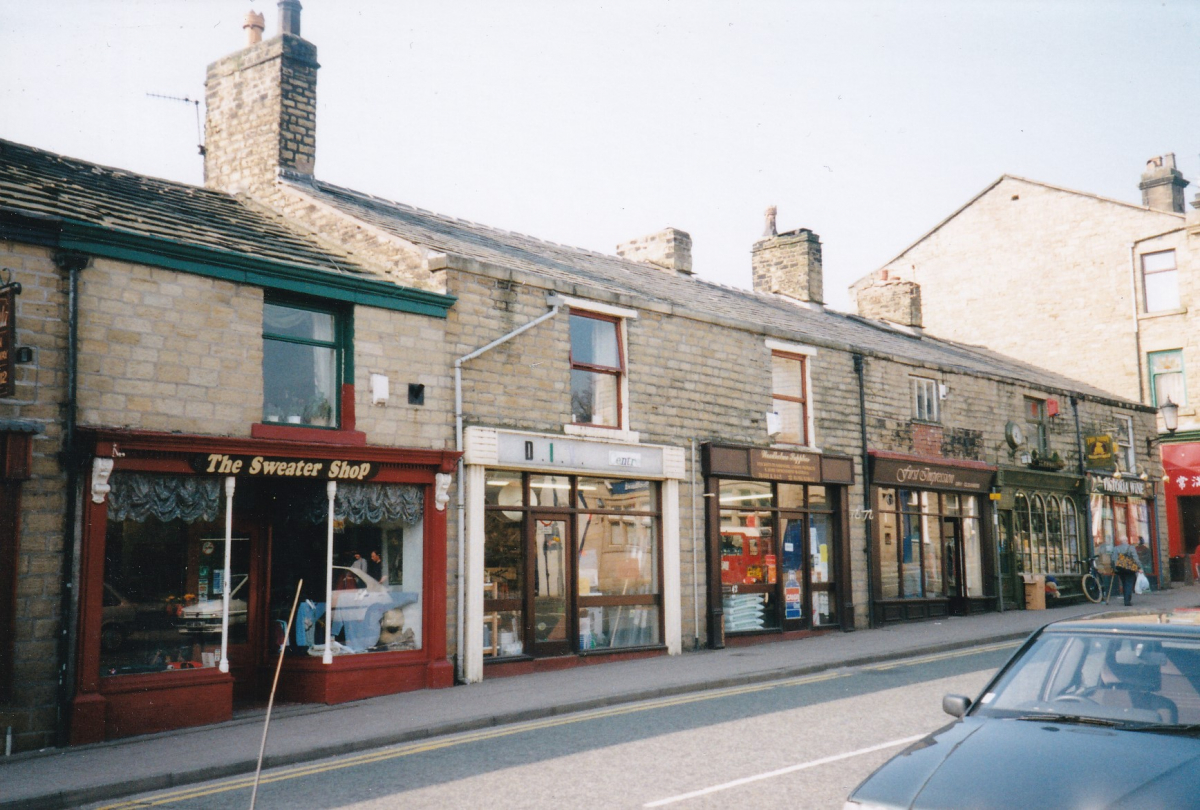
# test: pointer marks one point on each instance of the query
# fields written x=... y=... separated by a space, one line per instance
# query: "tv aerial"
x=196 y=105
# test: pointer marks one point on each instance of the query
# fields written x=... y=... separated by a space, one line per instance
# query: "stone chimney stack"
x=262 y=109
x=891 y=299
x=1162 y=185
x=788 y=263
x=254 y=26
x=669 y=249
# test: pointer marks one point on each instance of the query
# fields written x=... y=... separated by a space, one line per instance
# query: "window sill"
x=310 y=435
x=594 y=432
x=1163 y=313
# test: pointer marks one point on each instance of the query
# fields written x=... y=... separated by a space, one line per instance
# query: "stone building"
x=650 y=463
x=1097 y=289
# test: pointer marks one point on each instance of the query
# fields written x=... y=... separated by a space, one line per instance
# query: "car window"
x=1125 y=677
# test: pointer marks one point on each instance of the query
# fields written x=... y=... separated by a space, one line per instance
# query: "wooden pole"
x=287 y=634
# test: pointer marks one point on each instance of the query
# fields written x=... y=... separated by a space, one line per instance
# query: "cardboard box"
x=1035 y=591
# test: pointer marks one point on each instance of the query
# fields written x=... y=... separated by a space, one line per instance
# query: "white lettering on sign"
x=924 y=475
x=620 y=459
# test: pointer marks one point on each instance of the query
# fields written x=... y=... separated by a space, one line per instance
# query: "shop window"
x=1022 y=520
x=789 y=397
x=1048 y=530
x=164 y=566
x=302 y=361
x=925 y=400
x=1071 y=535
x=597 y=369
x=1167 y=380
x=1160 y=281
x=887 y=545
x=1035 y=416
x=928 y=544
x=1124 y=442
x=378 y=566
x=605 y=596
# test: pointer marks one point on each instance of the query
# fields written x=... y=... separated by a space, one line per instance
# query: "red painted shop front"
x=173 y=523
x=1181 y=463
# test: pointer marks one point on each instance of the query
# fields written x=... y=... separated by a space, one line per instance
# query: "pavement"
x=63 y=778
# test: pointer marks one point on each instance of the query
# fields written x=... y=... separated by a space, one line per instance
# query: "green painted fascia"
x=246 y=269
x=1179 y=437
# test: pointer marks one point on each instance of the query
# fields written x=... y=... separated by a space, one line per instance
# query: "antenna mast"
x=186 y=100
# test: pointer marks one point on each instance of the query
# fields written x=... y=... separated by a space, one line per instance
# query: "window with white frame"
x=1160 y=281
x=1166 y=377
x=597 y=368
x=789 y=393
x=925 y=399
x=1124 y=441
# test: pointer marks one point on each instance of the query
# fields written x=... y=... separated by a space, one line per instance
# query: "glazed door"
x=794 y=572
x=952 y=562
x=245 y=601
x=552 y=617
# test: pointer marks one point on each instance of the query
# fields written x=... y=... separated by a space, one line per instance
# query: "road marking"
x=393 y=752
x=1005 y=645
x=790 y=769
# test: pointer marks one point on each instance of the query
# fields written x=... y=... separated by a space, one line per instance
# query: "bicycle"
x=1093 y=582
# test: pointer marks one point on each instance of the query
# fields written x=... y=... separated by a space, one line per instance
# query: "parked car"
x=117 y=619
x=1096 y=712
x=205 y=617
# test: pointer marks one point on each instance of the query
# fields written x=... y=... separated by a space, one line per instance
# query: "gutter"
x=461 y=530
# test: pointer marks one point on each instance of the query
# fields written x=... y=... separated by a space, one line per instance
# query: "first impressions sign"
x=268 y=467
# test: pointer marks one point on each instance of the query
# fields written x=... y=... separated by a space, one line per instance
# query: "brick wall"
x=41 y=324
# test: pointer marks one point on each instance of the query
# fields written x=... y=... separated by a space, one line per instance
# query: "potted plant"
x=318 y=411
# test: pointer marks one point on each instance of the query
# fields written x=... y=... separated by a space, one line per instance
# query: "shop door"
x=794 y=573
x=1008 y=570
x=952 y=566
x=551 y=614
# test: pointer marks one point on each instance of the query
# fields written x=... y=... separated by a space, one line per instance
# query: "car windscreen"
x=1123 y=677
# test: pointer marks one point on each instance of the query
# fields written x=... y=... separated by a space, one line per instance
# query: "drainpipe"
x=461 y=488
x=695 y=553
x=1087 y=496
x=868 y=522
x=1137 y=326
x=71 y=264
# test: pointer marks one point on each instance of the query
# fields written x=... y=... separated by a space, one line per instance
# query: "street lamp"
x=1169 y=411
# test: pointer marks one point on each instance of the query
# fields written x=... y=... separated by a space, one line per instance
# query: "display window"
x=1047 y=533
x=572 y=564
x=777 y=565
x=929 y=544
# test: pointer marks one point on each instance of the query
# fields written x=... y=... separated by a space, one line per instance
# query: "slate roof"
x=38 y=182
x=446 y=234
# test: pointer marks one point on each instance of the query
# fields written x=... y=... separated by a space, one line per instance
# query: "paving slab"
x=61 y=778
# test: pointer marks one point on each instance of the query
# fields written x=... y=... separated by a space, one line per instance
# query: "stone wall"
x=42 y=325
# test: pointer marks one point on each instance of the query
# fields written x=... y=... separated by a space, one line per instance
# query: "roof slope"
x=37 y=182
x=683 y=293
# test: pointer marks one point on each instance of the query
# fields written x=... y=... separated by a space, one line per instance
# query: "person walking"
x=1126 y=567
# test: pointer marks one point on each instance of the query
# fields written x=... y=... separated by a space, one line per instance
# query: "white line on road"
x=790 y=769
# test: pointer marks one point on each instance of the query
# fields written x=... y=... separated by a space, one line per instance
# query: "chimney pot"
x=770 y=229
x=670 y=249
x=788 y=263
x=1162 y=184
x=254 y=26
x=289 y=17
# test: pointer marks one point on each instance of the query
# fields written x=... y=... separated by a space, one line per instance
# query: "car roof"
x=1176 y=622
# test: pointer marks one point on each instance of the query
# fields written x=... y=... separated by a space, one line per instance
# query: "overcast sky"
x=589 y=123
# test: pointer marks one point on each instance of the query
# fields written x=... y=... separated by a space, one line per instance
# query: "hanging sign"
x=8 y=340
x=1099 y=452
x=267 y=467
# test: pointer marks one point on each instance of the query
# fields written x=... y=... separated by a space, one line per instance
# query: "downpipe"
x=868 y=520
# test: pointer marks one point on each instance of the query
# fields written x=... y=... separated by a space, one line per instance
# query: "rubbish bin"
x=1178 y=567
x=1035 y=591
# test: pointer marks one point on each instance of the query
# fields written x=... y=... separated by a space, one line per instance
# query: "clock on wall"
x=1014 y=435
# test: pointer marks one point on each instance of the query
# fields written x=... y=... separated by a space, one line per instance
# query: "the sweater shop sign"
x=322 y=469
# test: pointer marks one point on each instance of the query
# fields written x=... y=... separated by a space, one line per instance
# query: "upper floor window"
x=1124 y=442
x=790 y=397
x=597 y=366
x=1166 y=377
x=1160 y=281
x=925 y=399
x=1035 y=416
x=301 y=364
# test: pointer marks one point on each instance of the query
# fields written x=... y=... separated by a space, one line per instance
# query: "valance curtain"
x=371 y=503
x=139 y=497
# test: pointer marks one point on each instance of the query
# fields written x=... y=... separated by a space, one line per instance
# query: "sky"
x=590 y=123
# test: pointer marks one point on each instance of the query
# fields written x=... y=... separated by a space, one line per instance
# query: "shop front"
x=777 y=559
x=1123 y=508
x=194 y=550
x=1041 y=519
x=932 y=550
x=572 y=551
x=1181 y=462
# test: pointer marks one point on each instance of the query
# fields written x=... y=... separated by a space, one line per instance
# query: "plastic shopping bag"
x=1142 y=585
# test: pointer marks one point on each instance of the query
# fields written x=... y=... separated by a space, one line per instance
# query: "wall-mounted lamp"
x=1169 y=411
x=379 y=389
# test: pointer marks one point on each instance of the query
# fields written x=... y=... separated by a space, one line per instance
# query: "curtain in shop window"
x=372 y=503
x=139 y=497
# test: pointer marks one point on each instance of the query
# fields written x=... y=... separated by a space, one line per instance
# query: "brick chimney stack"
x=1162 y=185
x=891 y=299
x=254 y=26
x=670 y=249
x=788 y=263
x=262 y=109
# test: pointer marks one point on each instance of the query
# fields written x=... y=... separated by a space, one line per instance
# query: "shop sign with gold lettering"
x=8 y=337
x=897 y=472
x=321 y=469
x=785 y=465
